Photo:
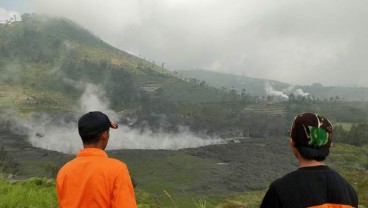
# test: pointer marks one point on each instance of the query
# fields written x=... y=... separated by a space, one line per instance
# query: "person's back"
x=313 y=184
x=88 y=181
x=93 y=180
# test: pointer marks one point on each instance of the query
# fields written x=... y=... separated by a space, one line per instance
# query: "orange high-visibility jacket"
x=93 y=180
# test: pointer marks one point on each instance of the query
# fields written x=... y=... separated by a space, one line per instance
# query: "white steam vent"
x=62 y=135
x=272 y=92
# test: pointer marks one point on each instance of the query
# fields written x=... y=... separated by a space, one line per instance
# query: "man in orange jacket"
x=92 y=179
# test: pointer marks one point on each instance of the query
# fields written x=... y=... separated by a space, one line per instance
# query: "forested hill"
x=46 y=63
x=257 y=86
x=43 y=58
x=229 y=81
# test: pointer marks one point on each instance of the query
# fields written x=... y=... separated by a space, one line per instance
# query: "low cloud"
x=298 y=42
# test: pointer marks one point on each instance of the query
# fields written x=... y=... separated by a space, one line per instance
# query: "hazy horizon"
x=299 y=42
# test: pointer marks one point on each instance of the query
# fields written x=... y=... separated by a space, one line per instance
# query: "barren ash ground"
x=240 y=165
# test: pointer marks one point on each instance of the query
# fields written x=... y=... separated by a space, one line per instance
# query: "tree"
x=243 y=93
x=202 y=83
x=340 y=135
x=291 y=97
x=120 y=87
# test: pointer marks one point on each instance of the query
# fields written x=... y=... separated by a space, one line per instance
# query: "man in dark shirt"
x=314 y=184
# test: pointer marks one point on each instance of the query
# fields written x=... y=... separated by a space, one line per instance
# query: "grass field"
x=35 y=192
x=40 y=192
x=350 y=161
x=345 y=126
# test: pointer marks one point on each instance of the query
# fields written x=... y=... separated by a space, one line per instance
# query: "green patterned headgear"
x=311 y=130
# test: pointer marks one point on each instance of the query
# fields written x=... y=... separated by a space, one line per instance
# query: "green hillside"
x=45 y=65
x=228 y=81
x=46 y=62
x=43 y=59
x=257 y=86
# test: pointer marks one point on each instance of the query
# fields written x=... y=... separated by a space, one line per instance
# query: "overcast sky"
x=295 y=41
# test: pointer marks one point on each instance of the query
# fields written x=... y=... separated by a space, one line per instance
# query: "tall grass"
x=171 y=199
x=36 y=192
x=200 y=204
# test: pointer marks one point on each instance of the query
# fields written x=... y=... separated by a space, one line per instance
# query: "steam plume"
x=271 y=91
x=61 y=134
x=300 y=92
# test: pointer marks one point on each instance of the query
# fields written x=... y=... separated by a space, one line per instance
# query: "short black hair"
x=91 y=139
x=312 y=153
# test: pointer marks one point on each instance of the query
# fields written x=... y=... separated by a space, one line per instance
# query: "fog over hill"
x=212 y=137
x=297 y=42
x=8 y=17
x=264 y=87
x=54 y=71
x=44 y=60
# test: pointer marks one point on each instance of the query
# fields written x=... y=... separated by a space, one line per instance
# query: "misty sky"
x=295 y=41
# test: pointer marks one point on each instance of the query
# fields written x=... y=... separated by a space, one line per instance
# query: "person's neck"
x=92 y=146
x=309 y=163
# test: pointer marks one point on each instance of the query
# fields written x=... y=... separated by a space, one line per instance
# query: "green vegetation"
x=232 y=82
x=337 y=112
x=35 y=192
x=350 y=119
x=7 y=164
x=46 y=61
x=250 y=199
x=357 y=135
x=174 y=172
x=256 y=86
x=43 y=62
x=344 y=126
x=352 y=163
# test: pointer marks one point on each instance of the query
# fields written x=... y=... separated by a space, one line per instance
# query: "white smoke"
x=290 y=89
x=300 y=92
x=126 y=138
x=272 y=92
x=62 y=135
x=46 y=133
x=94 y=99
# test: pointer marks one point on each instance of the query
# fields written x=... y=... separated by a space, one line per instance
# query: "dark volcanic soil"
x=251 y=164
x=25 y=160
x=247 y=164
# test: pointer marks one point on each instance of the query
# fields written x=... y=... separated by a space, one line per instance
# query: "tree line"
x=357 y=135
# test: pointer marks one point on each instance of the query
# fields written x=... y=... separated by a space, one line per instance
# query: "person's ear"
x=291 y=142
x=293 y=148
x=105 y=135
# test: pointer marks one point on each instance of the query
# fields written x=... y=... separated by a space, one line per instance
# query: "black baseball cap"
x=311 y=130
x=93 y=123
